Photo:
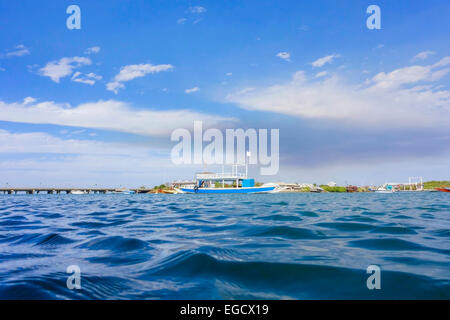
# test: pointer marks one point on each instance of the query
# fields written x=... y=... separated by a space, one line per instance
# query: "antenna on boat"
x=248 y=155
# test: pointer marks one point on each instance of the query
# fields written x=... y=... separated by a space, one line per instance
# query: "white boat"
x=234 y=182
x=123 y=191
x=77 y=192
x=316 y=189
x=384 y=190
x=206 y=183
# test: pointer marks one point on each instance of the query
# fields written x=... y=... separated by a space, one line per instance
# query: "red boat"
x=443 y=189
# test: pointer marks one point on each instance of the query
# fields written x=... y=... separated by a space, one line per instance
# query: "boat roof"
x=220 y=176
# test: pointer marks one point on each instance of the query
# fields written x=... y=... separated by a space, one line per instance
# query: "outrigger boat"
x=443 y=189
x=385 y=189
x=208 y=182
x=123 y=191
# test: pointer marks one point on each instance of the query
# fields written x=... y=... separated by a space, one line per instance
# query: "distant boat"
x=316 y=189
x=208 y=182
x=165 y=191
x=443 y=189
x=384 y=190
x=77 y=192
x=123 y=191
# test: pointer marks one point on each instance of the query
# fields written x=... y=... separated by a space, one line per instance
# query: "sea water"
x=249 y=246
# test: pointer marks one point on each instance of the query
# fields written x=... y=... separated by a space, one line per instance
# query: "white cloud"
x=197 y=9
x=40 y=142
x=114 y=86
x=56 y=70
x=321 y=74
x=77 y=132
x=284 y=55
x=245 y=90
x=192 y=90
x=422 y=55
x=93 y=76
x=29 y=100
x=19 y=51
x=88 y=78
x=96 y=162
x=107 y=115
x=442 y=63
x=324 y=60
x=410 y=75
x=96 y=151
x=229 y=74
x=395 y=99
x=92 y=50
x=181 y=20
x=133 y=71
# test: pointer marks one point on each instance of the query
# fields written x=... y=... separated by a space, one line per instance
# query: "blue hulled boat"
x=208 y=182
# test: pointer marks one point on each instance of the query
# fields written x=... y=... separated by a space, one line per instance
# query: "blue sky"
x=97 y=105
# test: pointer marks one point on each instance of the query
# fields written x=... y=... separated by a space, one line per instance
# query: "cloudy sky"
x=98 y=105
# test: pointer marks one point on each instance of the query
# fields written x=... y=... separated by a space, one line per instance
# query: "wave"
x=280 y=217
x=392 y=244
x=115 y=243
x=299 y=281
x=37 y=239
x=287 y=232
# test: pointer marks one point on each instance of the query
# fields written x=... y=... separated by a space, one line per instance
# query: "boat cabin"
x=222 y=180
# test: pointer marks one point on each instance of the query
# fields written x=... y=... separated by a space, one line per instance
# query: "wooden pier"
x=11 y=190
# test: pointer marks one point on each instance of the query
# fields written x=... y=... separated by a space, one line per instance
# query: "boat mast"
x=247 y=155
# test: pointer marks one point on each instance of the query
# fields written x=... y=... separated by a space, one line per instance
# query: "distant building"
x=293 y=186
x=332 y=184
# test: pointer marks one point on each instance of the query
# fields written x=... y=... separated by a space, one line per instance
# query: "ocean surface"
x=266 y=246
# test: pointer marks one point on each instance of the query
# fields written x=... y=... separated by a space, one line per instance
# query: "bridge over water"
x=11 y=190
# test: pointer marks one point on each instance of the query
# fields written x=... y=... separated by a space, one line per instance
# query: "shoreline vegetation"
x=436 y=184
x=427 y=186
